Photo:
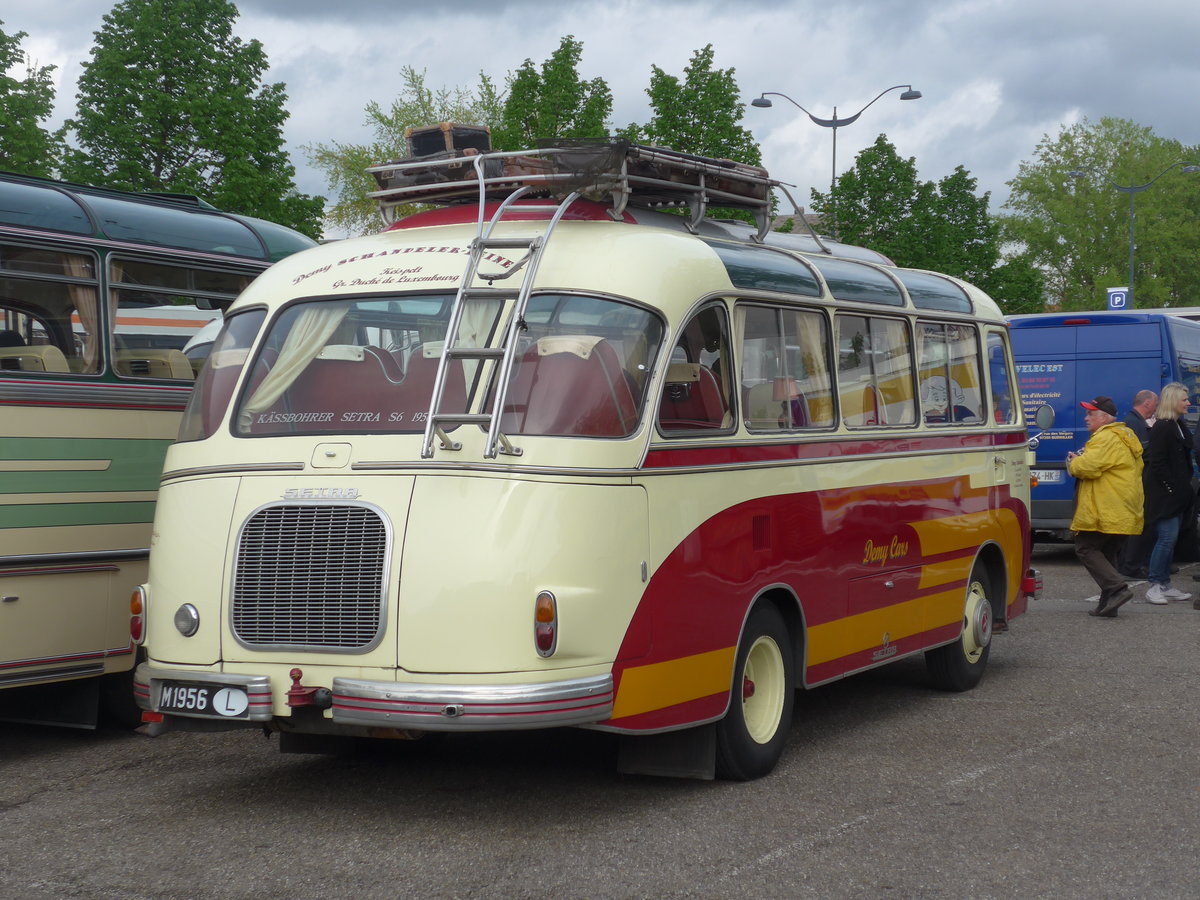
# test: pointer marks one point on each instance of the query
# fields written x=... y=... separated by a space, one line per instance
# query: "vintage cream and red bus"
x=99 y=292
x=577 y=462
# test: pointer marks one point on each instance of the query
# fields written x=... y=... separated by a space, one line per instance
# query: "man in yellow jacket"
x=1108 y=500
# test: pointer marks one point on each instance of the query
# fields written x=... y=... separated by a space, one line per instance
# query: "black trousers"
x=1098 y=553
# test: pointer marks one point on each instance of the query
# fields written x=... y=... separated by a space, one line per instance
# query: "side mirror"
x=1043 y=418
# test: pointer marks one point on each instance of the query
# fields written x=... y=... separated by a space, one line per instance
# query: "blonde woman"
x=1168 y=488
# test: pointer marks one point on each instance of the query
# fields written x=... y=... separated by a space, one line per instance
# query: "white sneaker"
x=1157 y=595
x=1175 y=594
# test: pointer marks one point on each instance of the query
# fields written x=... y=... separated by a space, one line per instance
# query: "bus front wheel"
x=751 y=737
x=959 y=666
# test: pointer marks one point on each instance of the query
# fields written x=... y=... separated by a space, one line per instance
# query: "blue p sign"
x=1118 y=298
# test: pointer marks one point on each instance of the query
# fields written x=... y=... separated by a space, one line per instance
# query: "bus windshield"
x=368 y=365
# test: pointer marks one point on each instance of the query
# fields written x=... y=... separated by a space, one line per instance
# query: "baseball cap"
x=1104 y=404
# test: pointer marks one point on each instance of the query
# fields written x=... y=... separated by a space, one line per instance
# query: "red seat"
x=353 y=389
x=571 y=385
x=691 y=399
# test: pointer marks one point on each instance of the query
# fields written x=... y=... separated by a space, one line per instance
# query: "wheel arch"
x=784 y=599
x=991 y=558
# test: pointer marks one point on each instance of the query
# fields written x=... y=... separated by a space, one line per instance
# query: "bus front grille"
x=311 y=576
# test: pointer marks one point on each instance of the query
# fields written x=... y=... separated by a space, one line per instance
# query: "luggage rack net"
x=626 y=174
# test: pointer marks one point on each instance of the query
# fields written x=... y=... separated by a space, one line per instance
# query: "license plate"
x=1047 y=476
x=222 y=700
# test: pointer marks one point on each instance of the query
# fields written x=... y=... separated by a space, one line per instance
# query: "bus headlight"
x=187 y=620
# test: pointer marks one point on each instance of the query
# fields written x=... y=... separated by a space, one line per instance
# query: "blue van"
x=1063 y=358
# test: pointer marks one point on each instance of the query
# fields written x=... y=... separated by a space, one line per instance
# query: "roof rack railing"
x=626 y=174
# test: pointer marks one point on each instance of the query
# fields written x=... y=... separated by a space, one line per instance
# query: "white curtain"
x=313 y=328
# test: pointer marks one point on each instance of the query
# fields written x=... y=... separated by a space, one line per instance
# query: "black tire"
x=960 y=666
x=751 y=737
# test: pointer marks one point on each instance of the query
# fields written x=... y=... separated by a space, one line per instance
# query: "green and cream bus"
x=100 y=292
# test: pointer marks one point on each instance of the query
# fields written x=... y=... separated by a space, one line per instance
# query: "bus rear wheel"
x=960 y=666
x=751 y=737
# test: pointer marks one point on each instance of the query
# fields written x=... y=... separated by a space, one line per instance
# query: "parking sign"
x=1118 y=298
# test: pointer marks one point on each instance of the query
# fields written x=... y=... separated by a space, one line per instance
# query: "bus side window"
x=949 y=374
x=1003 y=411
x=47 y=326
x=875 y=371
x=697 y=388
x=157 y=308
x=785 y=369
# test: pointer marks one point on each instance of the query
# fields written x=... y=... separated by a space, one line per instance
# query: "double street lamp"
x=835 y=123
x=1133 y=189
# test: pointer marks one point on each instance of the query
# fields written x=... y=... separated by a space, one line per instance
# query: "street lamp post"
x=835 y=123
x=1132 y=190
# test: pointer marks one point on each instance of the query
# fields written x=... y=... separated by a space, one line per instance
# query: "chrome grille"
x=311 y=575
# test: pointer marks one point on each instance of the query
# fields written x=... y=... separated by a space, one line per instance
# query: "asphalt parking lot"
x=1071 y=771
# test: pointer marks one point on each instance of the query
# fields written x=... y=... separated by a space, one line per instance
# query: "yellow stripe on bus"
x=659 y=685
x=951 y=533
x=945 y=572
x=842 y=637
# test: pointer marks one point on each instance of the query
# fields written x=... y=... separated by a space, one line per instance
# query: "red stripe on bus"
x=742 y=453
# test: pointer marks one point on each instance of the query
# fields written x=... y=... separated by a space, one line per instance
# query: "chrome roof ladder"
x=503 y=354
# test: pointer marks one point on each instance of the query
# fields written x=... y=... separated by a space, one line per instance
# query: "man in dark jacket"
x=1135 y=555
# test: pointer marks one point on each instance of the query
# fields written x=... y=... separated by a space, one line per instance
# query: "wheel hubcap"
x=977 y=631
x=763 y=690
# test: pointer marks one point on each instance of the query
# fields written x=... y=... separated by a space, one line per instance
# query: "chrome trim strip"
x=482 y=707
x=57 y=559
x=88 y=392
x=51 y=675
x=232 y=470
x=420 y=467
x=147 y=691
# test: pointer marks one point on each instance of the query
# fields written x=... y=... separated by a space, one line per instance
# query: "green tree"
x=943 y=226
x=172 y=100
x=1076 y=227
x=553 y=102
x=25 y=146
x=699 y=114
x=345 y=164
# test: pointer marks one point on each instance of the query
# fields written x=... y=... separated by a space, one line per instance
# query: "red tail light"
x=137 y=615
x=545 y=624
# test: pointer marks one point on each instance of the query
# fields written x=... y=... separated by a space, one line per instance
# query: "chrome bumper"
x=485 y=707
x=420 y=707
x=148 y=681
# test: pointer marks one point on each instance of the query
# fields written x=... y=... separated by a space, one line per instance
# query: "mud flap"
x=691 y=753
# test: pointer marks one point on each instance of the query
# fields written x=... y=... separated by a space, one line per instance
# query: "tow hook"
x=298 y=695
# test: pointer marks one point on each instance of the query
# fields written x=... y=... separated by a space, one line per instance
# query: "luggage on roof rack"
x=628 y=174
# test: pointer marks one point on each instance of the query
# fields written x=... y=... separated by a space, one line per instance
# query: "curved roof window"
x=858 y=283
x=35 y=206
x=281 y=241
x=934 y=292
x=761 y=269
x=149 y=223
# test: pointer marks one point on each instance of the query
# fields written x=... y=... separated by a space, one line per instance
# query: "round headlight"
x=187 y=620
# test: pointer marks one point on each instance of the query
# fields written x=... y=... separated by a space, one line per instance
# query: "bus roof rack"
x=628 y=174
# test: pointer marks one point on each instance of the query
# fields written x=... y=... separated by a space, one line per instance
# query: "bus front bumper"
x=237 y=699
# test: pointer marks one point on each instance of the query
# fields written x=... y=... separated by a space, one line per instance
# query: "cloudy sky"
x=997 y=75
